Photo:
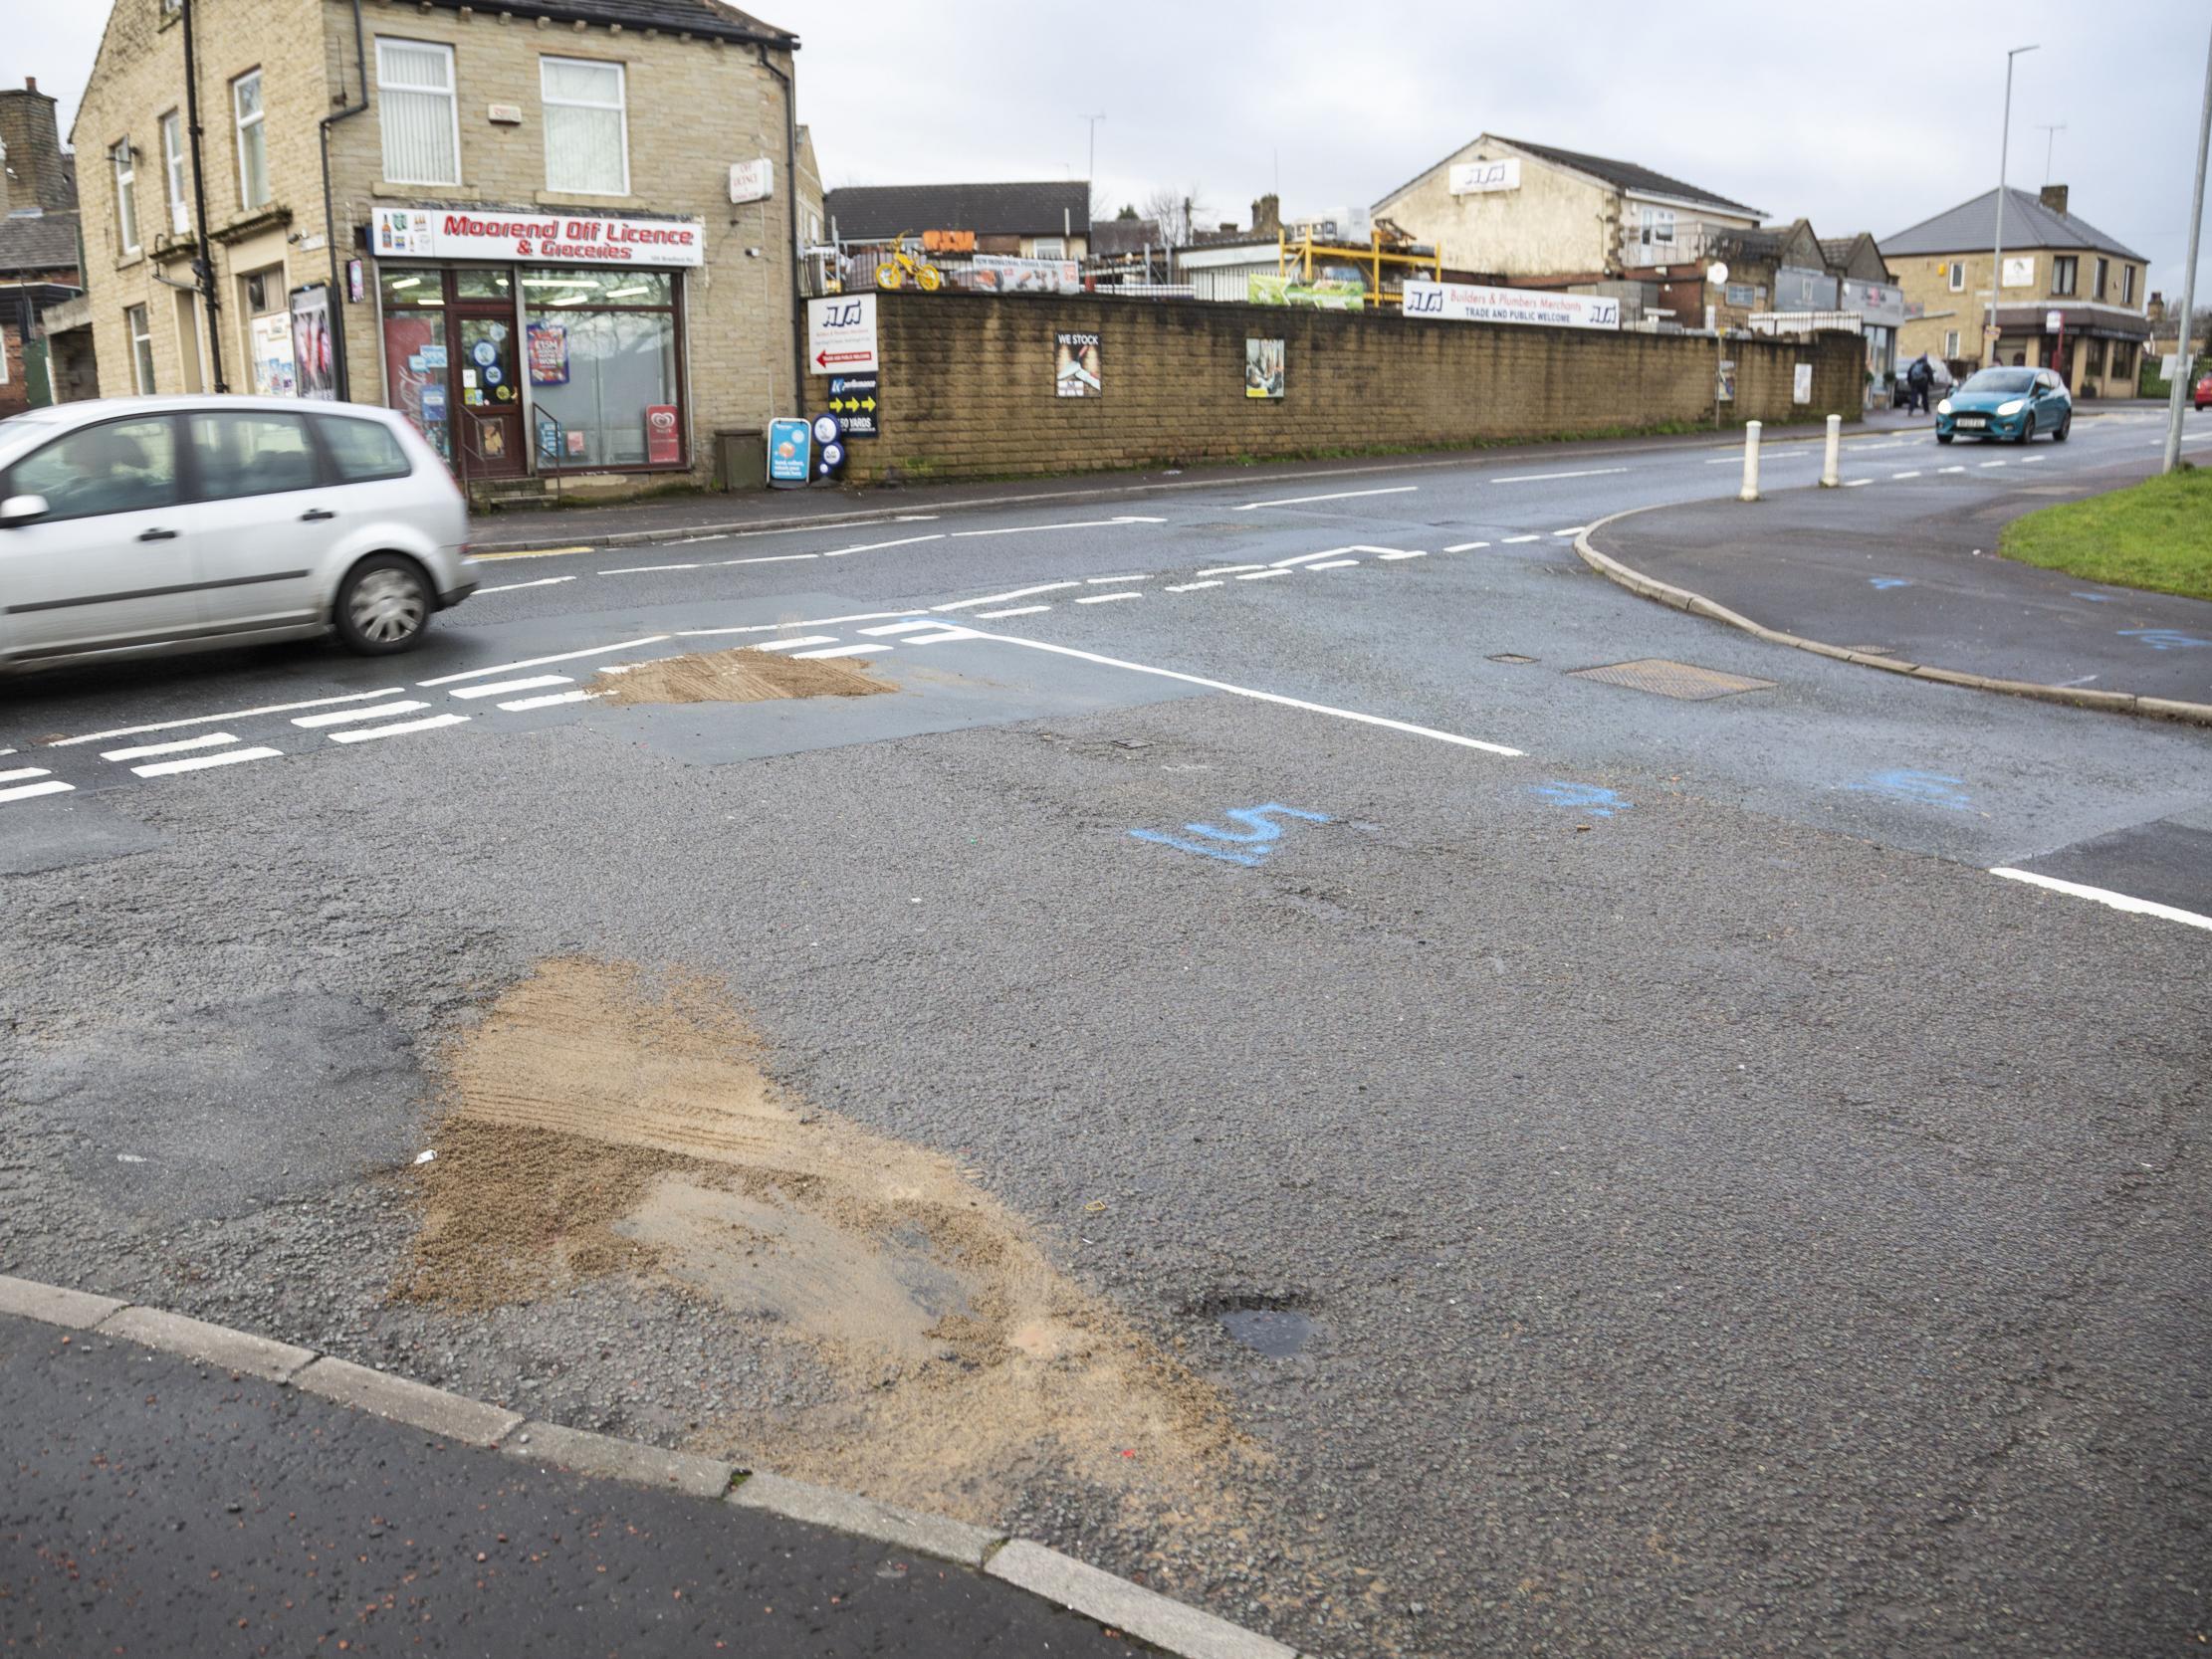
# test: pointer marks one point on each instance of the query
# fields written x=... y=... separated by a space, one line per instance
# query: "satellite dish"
x=1716 y=273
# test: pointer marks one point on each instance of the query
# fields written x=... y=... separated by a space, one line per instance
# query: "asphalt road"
x=1724 y=1216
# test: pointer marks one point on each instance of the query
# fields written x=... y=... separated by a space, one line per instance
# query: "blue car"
x=2009 y=403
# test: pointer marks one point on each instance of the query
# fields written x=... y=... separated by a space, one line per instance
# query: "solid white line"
x=1904 y=475
x=346 y=717
x=875 y=546
x=1106 y=598
x=1516 y=540
x=523 y=703
x=1339 y=495
x=24 y=791
x=1332 y=565
x=843 y=651
x=22 y=772
x=900 y=628
x=1572 y=530
x=1262 y=575
x=510 y=668
x=793 y=643
x=1855 y=483
x=1100 y=581
x=2104 y=895
x=1466 y=547
x=400 y=730
x=648 y=570
x=200 y=763
x=1079 y=524
x=1538 y=478
x=1422 y=554
x=1230 y=569
x=942 y=636
x=511 y=587
x=773 y=627
x=725 y=564
x=1263 y=697
x=214 y=740
x=993 y=598
x=1032 y=611
x=500 y=687
x=1187 y=587
x=1306 y=558
x=235 y=714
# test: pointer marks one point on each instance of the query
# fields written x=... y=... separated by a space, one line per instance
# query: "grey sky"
x=1871 y=117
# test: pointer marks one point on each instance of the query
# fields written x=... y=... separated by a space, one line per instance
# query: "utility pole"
x=203 y=264
x=2050 y=131
x=1091 y=175
x=1997 y=260
x=2175 y=393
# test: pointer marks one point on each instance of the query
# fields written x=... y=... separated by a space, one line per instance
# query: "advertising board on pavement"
x=841 y=335
x=790 y=453
x=1466 y=303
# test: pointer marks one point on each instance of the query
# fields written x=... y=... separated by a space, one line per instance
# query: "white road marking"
x=1106 y=598
x=900 y=628
x=1950 y=469
x=24 y=791
x=2032 y=460
x=1855 y=483
x=1032 y=611
x=725 y=564
x=1339 y=495
x=510 y=668
x=346 y=717
x=1100 y=581
x=1301 y=559
x=1079 y=524
x=1466 y=547
x=775 y=627
x=793 y=643
x=22 y=772
x=1904 y=475
x=1332 y=565
x=400 y=730
x=2104 y=895
x=878 y=547
x=1230 y=569
x=200 y=763
x=944 y=633
x=515 y=587
x=648 y=570
x=235 y=714
x=1016 y=593
x=1994 y=463
x=1187 y=587
x=844 y=651
x=523 y=703
x=214 y=740
x=502 y=688
x=1538 y=478
x=1263 y=697
x=1262 y=575
x=1516 y=540
x=1417 y=554
x=1572 y=530
x=917 y=518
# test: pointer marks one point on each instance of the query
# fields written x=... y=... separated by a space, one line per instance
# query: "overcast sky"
x=1868 y=118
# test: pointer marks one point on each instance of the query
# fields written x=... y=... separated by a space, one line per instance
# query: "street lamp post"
x=1091 y=174
x=1997 y=260
x=2178 y=391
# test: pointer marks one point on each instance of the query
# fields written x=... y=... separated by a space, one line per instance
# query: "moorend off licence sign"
x=439 y=233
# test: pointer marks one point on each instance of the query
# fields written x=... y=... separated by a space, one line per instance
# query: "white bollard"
x=1830 y=477
x=1750 y=462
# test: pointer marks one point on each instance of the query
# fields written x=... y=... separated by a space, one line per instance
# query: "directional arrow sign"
x=854 y=397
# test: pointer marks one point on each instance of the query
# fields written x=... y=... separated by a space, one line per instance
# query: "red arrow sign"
x=822 y=359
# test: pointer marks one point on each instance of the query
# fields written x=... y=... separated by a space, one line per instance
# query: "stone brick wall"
x=967 y=384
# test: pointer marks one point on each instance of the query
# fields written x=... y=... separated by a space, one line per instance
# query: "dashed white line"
x=1106 y=598
x=1995 y=463
x=1015 y=593
x=1416 y=553
x=1950 y=469
x=1230 y=569
x=900 y=628
x=1101 y=582
x=1466 y=547
x=648 y=570
x=1904 y=475
x=1032 y=611
x=524 y=702
x=793 y=643
x=1572 y=530
x=1332 y=565
x=2104 y=895
x=1187 y=587
x=501 y=668
x=506 y=688
x=843 y=651
x=25 y=791
x=1339 y=495
x=725 y=564
x=214 y=740
x=1539 y=478
x=346 y=717
x=1855 y=483
x=1516 y=540
x=366 y=733
x=234 y=714
x=200 y=763
x=2032 y=460
x=22 y=772
x=516 y=587
x=1262 y=575
x=1079 y=524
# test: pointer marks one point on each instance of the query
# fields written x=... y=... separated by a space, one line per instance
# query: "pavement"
x=1579 y=1152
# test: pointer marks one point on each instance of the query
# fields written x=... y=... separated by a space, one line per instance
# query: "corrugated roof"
x=707 y=18
x=866 y=212
x=40 y=242
x=1972 y=226
x=1628 y=175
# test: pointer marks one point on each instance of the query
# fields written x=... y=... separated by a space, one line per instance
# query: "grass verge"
x=2155 y=535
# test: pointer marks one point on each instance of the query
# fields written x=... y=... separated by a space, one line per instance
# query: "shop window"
x=2064 y=273
x=252 y=141
x=127 y=195
x=483 y=285
x=587 y=144
x=172 y=171
x=418 y=112
x=602 y=357
x=411 y=287
x=415 y=353
x=141 y=351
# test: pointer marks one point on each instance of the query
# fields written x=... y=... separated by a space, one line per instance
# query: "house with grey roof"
x=1050 y=219
x=2071 y=297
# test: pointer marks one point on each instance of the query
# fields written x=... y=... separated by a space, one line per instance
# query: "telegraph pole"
x=1997 y=260
x=2176 y=392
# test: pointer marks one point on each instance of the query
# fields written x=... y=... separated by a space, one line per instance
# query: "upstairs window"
x=173 y=172
x=588 y=141
x=1656 y=227
x=1954 y=273
x=2064 y=270
x=252 y=141
x=2127 y=285
x=127 y=195
x=2098 y=282
x=418 y=112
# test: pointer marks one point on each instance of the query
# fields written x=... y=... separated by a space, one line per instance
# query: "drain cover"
x=1670 y=679
x=1510 y=657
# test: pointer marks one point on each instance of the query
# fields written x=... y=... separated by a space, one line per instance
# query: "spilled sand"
x=743 y=675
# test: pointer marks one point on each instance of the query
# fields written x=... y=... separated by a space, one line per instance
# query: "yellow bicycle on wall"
x=899 y=265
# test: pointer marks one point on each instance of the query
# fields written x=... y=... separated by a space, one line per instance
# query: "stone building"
x=39 y=257
x=559 y=235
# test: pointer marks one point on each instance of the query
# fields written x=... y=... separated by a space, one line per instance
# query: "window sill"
x=136 y=256
x=584 y=199
x=269 y=216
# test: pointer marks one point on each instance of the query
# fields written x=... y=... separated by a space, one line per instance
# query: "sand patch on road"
x=743 y=675
x=602 y=1121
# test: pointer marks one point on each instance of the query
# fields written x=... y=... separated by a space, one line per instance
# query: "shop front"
x=538 y=345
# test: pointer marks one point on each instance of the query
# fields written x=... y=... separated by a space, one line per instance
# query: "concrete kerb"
x=1696 y=604
x=1169 y=1625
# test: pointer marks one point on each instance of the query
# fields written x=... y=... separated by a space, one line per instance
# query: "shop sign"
x=1075 y=370
x=1466 y=303
x=2020 y=271
x=548 y=354
x=1330 y=293
x=1476 y=178
x=791 y=457
x=2054 y=323
x=854 y=401
x=664 y=440
x=752 y=182
x=841 y=335
x=1003 y=273
x=438 y=233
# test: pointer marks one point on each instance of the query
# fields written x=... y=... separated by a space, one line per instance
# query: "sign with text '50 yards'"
x=841 y=335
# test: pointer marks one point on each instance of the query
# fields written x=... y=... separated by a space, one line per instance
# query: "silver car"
x=135 y=525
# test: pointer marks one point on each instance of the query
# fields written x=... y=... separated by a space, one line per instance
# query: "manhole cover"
x=1670 y=679
x=1510 y=657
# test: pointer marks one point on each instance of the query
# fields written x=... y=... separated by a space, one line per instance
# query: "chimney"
x=1268 y=215
x=2054 y=197
x=34 y=149
x=30 y=82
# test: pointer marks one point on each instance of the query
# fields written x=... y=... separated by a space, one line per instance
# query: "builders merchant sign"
x=436 y=233
x=1465 y=302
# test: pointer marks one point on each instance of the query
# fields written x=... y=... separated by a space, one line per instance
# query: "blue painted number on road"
x=1258 y=835
x=1599 y=803
x=2165 y=639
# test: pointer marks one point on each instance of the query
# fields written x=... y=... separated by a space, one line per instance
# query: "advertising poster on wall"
x=1075 y=370
x=999 y=274
x=273 y=373
x=313 y=361
x=548 y=354
x=1264 y=361
x=1329 y=294
x=664 y=440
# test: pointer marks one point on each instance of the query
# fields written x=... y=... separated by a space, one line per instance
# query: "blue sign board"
x=790 y=452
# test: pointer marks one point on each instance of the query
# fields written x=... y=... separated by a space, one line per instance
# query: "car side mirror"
x=22 y=510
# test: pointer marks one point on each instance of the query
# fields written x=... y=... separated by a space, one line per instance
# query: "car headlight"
x=2012 y=408
x=1944 y=407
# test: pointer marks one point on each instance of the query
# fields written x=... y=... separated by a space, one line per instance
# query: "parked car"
x=2009 y=403
x=130 y=527
x=2203 y=394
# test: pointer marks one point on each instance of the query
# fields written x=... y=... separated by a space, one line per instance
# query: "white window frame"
x=450 y=91
x=1950 y=343
x=124 y=162
x=139 y=327
x=259 y=120
x=1049 y=247
x=2126 y=285
x=173 y=172
x=1954 y=273
x=1655 y=226
x=621 y=107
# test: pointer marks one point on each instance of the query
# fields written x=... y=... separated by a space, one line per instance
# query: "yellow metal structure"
x=1300 y=256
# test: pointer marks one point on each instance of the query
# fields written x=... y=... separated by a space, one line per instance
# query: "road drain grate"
x=1670 y=679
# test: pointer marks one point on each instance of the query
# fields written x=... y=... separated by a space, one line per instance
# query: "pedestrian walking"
x=1917 y=378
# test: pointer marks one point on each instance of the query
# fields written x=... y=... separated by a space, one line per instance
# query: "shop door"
x=490 y=393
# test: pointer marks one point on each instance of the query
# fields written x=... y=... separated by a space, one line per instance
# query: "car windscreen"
x=2001 y=380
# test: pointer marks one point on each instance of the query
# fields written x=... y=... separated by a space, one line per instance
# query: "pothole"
x=1273 y=1325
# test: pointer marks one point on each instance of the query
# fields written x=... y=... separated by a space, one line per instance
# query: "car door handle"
x=157 y=535
x=315 y=515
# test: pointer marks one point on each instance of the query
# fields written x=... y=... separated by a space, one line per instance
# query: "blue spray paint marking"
x=1922 y=788
x=1259 y=833
x=1885 y=583
x=1599 y=803
x=2165 y=639
x=2097 y=598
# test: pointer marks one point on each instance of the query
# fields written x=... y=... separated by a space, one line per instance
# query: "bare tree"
x=1179 y=213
